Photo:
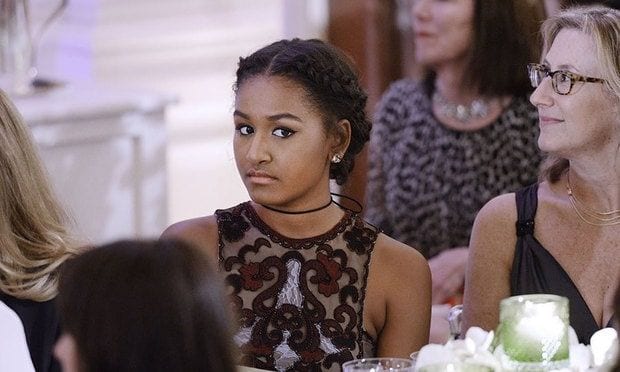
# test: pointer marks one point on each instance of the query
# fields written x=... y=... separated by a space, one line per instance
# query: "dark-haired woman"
x=313 y=283
x=443 y=146
x=143 y=306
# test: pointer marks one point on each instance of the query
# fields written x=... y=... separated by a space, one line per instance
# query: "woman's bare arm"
x=400 y=281
x=491 y=251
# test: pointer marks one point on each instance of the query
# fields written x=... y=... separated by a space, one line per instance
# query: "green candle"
x=534 y=330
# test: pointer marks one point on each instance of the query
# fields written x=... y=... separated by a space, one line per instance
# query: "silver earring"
x=336 y=158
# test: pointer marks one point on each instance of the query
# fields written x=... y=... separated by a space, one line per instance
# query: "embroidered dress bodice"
x=299 y=301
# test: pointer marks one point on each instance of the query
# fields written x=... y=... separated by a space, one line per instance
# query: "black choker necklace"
x=300 y=212
x=359 y=206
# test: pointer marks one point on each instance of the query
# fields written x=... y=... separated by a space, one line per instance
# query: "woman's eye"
x=283 y=132
x=245 y=129
x=564 y=77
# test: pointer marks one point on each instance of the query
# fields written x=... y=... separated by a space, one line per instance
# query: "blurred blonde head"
x=603 y=25
x=33 y=236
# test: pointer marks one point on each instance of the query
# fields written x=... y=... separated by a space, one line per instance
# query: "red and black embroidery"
x=360 y=238
x=299 y=301
x=232 y=225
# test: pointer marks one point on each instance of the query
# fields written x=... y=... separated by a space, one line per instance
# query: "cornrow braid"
x=330 y=81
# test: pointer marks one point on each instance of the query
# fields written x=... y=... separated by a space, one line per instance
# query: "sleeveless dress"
x=535 y=270
x=42 y=329
x=427 y=182
x=300 y=301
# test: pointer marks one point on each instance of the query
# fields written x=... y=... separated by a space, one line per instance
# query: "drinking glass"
x=414 y=358
x=455 y=367
x=533 y=331
x=379 y=365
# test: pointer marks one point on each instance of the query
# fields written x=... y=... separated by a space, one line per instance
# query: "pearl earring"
x=336 y=158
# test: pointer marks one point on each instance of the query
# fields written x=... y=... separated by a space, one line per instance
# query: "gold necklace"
x=590 y=216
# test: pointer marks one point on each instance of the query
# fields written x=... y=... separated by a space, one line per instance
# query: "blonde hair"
x=33 y=237
x=603 y=25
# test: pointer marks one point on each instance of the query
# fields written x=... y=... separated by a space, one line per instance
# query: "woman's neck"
x=596 y=184
x=450 y=83
x=302 y=225
x=458 y=105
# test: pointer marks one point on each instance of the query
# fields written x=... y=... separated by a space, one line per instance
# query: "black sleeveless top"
x=535 y=270
x=41 y=327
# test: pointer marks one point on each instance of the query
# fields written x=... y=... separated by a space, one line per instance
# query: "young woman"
x=142 y=306
x=561 y=235
x=313 y=283
x=34 y=241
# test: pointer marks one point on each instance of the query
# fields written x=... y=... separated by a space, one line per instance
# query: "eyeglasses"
x=561 y=81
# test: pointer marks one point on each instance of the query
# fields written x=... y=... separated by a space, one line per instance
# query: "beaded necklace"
x=476 y=109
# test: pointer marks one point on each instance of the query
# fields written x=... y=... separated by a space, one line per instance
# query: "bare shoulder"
x=501 y=209
x=397 y=268
x=201 y=232
x=399 y=297
x=397 y=258
x=495 y=226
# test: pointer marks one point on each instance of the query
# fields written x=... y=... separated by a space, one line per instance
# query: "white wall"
x=188 y=48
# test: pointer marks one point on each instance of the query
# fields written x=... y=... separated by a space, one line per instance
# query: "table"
x=249 y=369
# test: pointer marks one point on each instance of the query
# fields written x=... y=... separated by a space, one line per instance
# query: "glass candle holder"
x=379 y=365
x=533 y=331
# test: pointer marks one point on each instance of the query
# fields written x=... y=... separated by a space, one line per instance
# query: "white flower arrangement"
x=476 y=353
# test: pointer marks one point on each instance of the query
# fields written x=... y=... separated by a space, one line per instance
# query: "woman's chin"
x=263 y=200
x=547 y=146
x=553 y=149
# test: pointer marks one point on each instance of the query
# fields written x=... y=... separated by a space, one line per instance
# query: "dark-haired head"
x=328 y=78
x=145 y=306
x=505 y=39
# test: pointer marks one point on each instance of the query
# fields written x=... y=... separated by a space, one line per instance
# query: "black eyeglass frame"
x=535 y=67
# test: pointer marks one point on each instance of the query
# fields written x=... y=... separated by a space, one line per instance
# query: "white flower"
x=604 y=348
x=434 y=354
x=475 y=349
x=580 y=357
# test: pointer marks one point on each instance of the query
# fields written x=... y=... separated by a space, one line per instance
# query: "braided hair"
x=327 y=76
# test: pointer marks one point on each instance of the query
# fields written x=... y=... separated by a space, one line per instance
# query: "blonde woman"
x=561 y=235
x=33 y=238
